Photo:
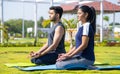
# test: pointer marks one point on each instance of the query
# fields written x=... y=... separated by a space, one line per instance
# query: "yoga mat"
x=47 y=67
x=53 y=67
x=31 y=64
x=117 y=67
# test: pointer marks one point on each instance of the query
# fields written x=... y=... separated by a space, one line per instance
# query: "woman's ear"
x=86 y=15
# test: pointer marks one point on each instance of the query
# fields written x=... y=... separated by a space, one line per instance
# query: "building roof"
x=108 y=6
x=118 y=1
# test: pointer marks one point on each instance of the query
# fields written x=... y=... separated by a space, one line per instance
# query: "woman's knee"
x=60 y=65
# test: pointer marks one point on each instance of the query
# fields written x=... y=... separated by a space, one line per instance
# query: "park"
x=19 y=36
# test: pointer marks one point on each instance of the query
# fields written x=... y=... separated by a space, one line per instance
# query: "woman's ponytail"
x=93 y=18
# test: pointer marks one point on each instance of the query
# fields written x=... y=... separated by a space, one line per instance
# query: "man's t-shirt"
x=61 y=47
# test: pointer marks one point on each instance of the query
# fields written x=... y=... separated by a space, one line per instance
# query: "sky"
x=16 y=10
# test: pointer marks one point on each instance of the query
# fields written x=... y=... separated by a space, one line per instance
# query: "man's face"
x=52 y=15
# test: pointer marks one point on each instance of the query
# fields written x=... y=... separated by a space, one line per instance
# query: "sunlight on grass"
x=22 y=40
x=109 y=55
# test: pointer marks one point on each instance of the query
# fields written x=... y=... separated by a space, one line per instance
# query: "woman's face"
x=81 y=16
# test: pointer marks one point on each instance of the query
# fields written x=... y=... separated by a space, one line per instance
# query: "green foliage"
x=69 y=24
x=4 y=28
x=21 y=44
x=30 y=35
x=108 y=43
x=42 y=34
x=46 y=23
x=40 y=22
x=117 y=24
x=106 y=18
x=18 y=35
x=15 y=25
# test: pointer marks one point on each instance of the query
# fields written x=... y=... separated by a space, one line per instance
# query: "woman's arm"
x=85 y=40
x=71 y=51
x=74 y=51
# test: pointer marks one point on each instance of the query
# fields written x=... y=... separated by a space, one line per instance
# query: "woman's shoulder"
x=87 y=24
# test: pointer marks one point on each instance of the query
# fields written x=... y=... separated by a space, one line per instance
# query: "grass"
x=17 y=40
x=110 y=55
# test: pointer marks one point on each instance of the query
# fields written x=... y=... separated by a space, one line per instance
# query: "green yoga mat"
x=19 y=64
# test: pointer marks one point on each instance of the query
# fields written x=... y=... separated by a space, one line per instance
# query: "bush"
x=18 y=44
x=107 y=43
x=18 y=35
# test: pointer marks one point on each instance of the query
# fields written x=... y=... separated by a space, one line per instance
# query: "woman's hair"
x=57 y=9
x=91 y=15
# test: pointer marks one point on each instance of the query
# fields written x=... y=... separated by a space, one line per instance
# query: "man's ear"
x=57 y=15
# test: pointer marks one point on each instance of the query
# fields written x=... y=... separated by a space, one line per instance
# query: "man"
x=55 y=45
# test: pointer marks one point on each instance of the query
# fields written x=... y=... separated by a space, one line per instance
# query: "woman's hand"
x=63 y=57
x=60 y=55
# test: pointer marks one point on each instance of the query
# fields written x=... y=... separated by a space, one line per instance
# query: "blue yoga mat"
x=25 y=64
x=53 y=67
x=108 y=67
x=47 y=67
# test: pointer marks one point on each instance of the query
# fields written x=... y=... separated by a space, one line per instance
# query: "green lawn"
x=110 y=55
x=17 y=40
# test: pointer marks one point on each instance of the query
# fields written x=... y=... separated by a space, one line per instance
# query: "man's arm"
x=36 y=54
x=59 y=32
x=43 y=48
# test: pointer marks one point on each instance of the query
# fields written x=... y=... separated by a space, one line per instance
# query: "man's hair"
x=57 y=9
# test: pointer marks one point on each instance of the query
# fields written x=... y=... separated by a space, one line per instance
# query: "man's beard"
x=53 y=19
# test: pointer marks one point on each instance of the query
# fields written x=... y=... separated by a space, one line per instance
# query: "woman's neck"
x=83 y=22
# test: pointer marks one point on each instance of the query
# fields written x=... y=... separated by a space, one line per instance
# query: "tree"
x=40 y=22
x=15 y=25
x=106 y=18
x=46 y=23
x=106 y=27
x=117 y=24
x=70 y=25
x=5 y=32
x=110 y=29
x=28 y=24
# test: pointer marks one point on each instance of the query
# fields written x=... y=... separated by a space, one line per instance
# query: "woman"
x=82 y=55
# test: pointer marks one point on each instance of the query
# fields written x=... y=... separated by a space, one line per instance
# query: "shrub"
x=18 y=44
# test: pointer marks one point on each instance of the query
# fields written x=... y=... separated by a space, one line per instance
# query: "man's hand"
x=34 y=54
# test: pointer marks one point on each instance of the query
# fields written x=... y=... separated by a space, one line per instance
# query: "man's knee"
x=33 y=60
x=36 y=61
